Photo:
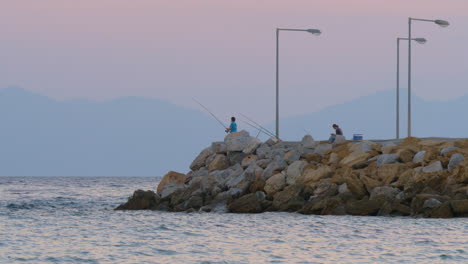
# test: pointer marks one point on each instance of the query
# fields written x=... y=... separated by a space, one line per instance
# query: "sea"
x=71 y=220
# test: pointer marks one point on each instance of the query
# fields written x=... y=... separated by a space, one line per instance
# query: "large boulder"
x=355 y=185
x=322 y=148
x=171 y=177
x=324 y=206
x=419 y=157
x=238 y=141
x=249 y=203
x=264 y=151
x=354 y=158
x=291 y=156
x=199 y=161
x=460 y=207
x=289 y=199
x=388 y=173
x=294 y=171
x=141 y=200
x=386 y=193
x=339 y=140
x=447 y=150
x=308 y=142
x=455 y=161
x=387 y=159
x=252 y=146
x=219 y=147
x=363 y=207
x=363 y=146
x=169 y=189
x=248 y=160
x=275 y=184
x=278 y=164
x=310 y=175
x=220 y=162
x=433 y=167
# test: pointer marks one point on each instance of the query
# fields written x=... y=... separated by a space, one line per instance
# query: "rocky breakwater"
x=413 y=177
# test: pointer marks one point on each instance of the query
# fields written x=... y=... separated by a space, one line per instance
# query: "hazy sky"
x=223 y=52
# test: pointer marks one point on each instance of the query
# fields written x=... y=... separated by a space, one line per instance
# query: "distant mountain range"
x=136 y=136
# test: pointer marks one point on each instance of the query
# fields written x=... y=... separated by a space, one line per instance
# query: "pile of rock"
x=417 y=177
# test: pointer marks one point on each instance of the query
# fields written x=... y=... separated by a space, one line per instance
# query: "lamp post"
x=439 y=22
x=312 y=31
x=420 y=41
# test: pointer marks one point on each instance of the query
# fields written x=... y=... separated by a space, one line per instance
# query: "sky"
x=223 y=52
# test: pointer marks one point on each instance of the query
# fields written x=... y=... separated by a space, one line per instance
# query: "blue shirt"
x=233 y=127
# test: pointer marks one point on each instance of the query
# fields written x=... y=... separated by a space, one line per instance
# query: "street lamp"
x=420 y=41
x=315 y=32
x=439 y=22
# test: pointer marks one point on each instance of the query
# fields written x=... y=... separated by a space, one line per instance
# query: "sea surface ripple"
x=71 y=220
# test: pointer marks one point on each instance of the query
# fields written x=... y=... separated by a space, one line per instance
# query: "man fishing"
x=233 y=127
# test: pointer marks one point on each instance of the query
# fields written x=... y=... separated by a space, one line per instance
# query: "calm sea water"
x=71 y=220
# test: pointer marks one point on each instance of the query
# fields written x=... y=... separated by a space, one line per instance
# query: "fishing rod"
x=259 y=129
x=217 y=119
x=269 y=132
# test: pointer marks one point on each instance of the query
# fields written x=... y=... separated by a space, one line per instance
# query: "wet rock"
x=324 y=206
x=431 y=203
x=141 y=200
x=171 y=177
x=460 y=207
x=249 y=203
x=386 y=193
x=363 y=207
x=169 y=189
x=289 y=199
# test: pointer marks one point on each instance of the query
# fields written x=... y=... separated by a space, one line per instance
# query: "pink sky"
x=222 y=52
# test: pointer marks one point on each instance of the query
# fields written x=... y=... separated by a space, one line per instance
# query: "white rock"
x=386 y=159
x=252 y=145
x=339 y=139
x=419 y=157
x=294 y=171
x=455 y=160
x=433 y=167
x=322 y=148
x=447 y=150
x=308 y=142
x=238 y=141
x=363 y=146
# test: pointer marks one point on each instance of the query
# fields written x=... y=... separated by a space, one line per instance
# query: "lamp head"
x=442 y=23
x=420 y=40
x=315 y=32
